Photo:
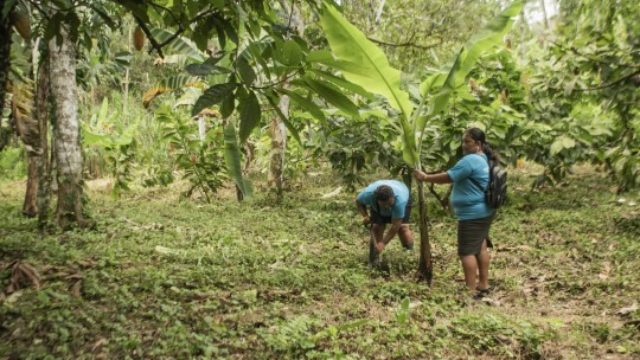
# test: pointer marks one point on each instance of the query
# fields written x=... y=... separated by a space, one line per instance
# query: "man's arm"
x=362 y=209
x=393 y=230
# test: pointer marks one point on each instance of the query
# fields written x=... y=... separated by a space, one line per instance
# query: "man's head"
x=384 y=196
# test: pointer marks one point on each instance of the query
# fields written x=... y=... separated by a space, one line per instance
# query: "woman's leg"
x=470 y=268
x=483 y=258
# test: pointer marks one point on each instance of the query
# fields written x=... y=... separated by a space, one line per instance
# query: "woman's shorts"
x=471 y=234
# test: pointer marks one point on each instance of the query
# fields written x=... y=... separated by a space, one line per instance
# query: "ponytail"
x=488 y=151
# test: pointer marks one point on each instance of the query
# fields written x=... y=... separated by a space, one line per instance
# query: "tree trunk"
x=425 y=268
x=277 y=128
x=43 y=111
x=278 y=132
x=379 y=11
x=544 y=14
x=202 y=128
x=5 y=64
x=29 y=130
x=66 y=131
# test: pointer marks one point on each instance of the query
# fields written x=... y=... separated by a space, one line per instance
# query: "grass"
x=161 y=278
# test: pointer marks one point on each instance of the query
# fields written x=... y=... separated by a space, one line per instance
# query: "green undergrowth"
x=163 y=278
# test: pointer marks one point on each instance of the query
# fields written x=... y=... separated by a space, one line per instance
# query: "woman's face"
x=470 y=146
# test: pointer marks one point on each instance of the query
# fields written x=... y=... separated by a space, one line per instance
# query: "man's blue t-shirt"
x=467 y=199
x=400 y=193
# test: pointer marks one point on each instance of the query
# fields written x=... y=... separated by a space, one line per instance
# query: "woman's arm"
x=440 y=178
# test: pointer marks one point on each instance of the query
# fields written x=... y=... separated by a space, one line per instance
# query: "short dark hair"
x=383 y=193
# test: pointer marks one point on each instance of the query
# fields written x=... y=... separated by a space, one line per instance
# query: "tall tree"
x=43 y=163
x=62 y=63
x=277 y=127
x=5 y=64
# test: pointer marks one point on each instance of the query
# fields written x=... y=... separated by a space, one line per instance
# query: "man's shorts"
x=376 y=218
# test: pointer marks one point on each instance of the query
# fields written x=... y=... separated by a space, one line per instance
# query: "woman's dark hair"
x=478 y=135
x=383 y=193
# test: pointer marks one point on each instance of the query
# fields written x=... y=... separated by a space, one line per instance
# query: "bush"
x=13 y=163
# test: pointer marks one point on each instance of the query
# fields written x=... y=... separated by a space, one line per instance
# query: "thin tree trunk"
x=30 y=206
x=5 y=64
x=202 y=128
x=425 y=268
x=43 y=111
x=67 y=131
x=278 y=132
x=379 y=11
x=523 y=28
x=544 y=14
x=30 y=135
x=277 y=128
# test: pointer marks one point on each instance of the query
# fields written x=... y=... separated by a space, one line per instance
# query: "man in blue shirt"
x=388 y=202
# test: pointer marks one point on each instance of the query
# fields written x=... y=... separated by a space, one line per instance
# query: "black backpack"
x=496 y=192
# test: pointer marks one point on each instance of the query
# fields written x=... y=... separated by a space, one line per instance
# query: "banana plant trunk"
x=5 y=63
x=278 y=131
x=425 y=268
x=66 y=131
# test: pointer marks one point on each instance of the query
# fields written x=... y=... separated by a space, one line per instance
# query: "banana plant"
x=364 y=64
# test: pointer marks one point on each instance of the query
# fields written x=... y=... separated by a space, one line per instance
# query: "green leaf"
x=332 y=96
x=366 y=65
x=92 y=139
x=205 y=69
x=179 y=45
x=464 y=62
x=250 y=114
x=228 y=105
x=561 y=142
x=320 y=56
x=343 y=83
x=247 y=74
x=212 y=96
x=233 y=159
x=490 y=37
x=288 y=53
x=362 y=62
x=306 y=104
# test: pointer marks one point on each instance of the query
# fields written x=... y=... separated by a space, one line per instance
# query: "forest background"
x=114 y=112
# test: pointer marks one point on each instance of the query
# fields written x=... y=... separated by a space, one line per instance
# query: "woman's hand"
x=419 y=175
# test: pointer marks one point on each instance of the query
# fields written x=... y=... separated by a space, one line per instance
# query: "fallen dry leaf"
x=628 y=310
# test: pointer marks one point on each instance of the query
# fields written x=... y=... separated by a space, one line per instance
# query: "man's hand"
x=366 y=220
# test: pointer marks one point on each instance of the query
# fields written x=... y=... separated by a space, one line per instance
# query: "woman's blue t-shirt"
x=467 y=199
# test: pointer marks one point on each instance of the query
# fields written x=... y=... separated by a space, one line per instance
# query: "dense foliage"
x=184 y=105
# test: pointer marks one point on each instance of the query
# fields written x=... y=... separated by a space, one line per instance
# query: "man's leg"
x=470 y=268
x=377 y=230
x=483 y=258
x=406 y=236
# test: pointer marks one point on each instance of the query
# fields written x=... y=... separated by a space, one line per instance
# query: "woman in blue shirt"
x=470 y=178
